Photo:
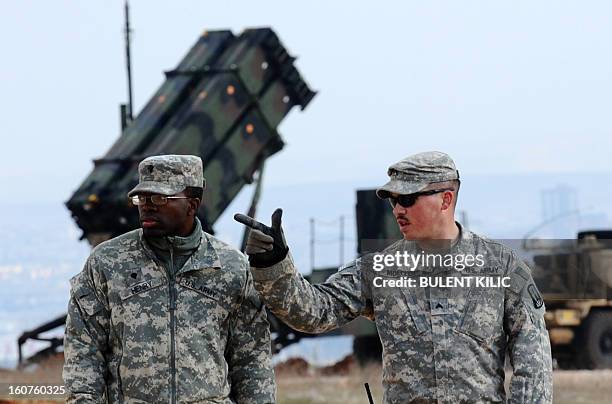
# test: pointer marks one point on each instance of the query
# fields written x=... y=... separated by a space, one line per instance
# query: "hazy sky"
x=505 y=87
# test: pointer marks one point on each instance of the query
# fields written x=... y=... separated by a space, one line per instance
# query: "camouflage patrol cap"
x=169 y=174
x=416 y=172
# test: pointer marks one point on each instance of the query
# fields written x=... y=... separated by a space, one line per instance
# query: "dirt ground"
x=570 y=387
x=342 y=383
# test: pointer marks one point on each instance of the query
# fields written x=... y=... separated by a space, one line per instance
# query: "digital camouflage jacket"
x=440 y=344
x=137 y=334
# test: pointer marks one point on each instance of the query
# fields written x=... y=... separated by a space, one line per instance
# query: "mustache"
x=149 y=217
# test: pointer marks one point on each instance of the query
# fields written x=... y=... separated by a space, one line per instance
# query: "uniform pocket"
x=89 y=303
x=482 y=315
x=399 y=317
x=84 y=296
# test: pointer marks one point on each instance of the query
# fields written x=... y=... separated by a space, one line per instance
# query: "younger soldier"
x=167 y=313
x=440 y=344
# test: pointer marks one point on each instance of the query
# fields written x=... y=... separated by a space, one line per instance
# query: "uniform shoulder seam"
x=115 y=242
x=221 y=247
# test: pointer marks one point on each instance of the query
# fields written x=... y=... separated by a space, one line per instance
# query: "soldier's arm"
x=528 y=342
x=311 y=308
x=85 y=341
x=301 y=305
x=248 y=352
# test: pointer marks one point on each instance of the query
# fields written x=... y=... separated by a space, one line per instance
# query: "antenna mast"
x=128 y=60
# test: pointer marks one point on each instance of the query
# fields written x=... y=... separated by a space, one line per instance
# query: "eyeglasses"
x=158 y=200
x=407 y=201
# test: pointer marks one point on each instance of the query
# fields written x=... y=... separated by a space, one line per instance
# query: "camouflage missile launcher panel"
x=223 y=102
x=376 y=225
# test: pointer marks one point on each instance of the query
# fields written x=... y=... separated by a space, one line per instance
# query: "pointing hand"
x=266 y=246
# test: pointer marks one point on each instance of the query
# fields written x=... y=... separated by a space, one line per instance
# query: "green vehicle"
x=575 y=278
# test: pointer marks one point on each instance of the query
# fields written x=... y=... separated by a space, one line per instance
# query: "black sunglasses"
x=407 y=201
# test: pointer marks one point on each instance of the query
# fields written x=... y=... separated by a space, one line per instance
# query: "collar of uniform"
x=181 y=245
x=465 y=242
x=205 y=256
x=148 y=250
x=455 y=246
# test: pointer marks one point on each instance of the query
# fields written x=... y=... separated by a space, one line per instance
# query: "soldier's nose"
x=399 y=210
x=148 y=207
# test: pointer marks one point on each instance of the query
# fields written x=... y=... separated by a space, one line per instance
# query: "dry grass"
x=316 y=388
x=570 y=387
x=582 y=386
x=50 y=373
x=311 y=387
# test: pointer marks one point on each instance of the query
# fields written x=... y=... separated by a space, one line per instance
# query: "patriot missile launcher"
x=223 y=102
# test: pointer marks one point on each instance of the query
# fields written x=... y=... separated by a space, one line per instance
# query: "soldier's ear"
x=194 y=204
x=447 y=199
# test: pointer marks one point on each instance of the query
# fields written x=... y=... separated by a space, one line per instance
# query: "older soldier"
x=440 y=344
x=167 y=313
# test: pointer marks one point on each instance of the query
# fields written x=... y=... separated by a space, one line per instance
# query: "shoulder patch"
x=536 y=298
x=519 y=278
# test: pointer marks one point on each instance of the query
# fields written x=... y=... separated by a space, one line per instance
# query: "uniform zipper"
x=172 y=297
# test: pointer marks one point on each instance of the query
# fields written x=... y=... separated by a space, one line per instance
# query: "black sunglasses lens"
x=405 y=201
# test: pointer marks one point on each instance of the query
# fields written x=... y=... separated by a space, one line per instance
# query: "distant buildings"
x=560 y=212
x=562 y=216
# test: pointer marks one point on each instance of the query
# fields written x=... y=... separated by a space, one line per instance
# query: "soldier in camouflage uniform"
x=440 y=344
x=167 y=313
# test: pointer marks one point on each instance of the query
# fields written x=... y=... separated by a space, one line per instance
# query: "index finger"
x=250 y=222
